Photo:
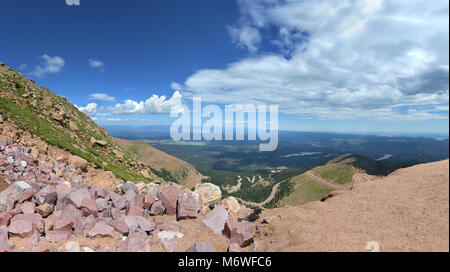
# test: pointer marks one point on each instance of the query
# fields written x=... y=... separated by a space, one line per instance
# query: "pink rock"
x=157 y=208
x=22 y=228
x=148 y=201
x=27 y=195
x=101 y=229
x=34 y=218
x=135 y=211
x=28 y=208
x=168 y=195
x=189 y=205
x=89 y=206
x=4 y=218
x=76 y=198
x=64 y=225
x=136 y=242
x=119 y=226
x=215 y=220
x=242 y=233
x=46 y=195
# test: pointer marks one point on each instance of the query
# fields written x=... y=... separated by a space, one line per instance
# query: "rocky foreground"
x=47 y=206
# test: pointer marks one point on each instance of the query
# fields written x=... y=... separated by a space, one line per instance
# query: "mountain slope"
x=370 y=166
x=26 y=108
x=178 y=170
x=405 y=211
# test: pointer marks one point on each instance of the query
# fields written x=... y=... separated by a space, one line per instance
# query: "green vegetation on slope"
x=59 y=123
x=337 y=172
x=305 y=190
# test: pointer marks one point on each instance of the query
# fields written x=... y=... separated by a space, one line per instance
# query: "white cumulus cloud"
x=96 y=63
x=101 y=97
x=337 y=59
x=90 y=108
x=49 y=65
x=154 y=104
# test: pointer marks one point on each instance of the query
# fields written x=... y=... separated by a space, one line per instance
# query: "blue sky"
x=348 y=66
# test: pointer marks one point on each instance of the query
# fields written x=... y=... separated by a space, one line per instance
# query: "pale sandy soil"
x=406 y=211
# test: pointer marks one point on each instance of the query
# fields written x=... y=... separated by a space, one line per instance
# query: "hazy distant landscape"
x=224 y=160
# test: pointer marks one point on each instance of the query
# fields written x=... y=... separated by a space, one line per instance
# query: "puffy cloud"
x=338 y=59
x=49 y=65
x=101 y=97
x=96 y=63
x=154 y=104
x=246 y=37
x=90 y=108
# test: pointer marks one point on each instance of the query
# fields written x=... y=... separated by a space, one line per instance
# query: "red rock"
x=4 y=218
x=22 y=228
x=137 y=201
x=135 y=211
x=119 y=226
x=89 y=207
x=244 y=233
x=189 y=205
x=46 y=195
x=168 y=195
x=35 y=218
x=64 y=225
x=27 y=195
x=148 y=201
x=76 y=198
x=101 y=229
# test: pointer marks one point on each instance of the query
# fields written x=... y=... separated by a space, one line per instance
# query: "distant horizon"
x=438 y=136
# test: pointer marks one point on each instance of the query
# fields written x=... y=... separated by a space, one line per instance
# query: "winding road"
x=325 y=182
x=261 y=204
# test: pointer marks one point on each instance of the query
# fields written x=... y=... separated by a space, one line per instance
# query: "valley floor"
x=405 y=211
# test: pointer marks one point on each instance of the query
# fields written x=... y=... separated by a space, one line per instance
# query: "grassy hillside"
x=370 y=166
x=304 y=190
x=162 y=164
x=59 y=123
x=336 y=172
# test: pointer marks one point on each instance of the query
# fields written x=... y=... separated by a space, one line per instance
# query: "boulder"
x=136 y=242
x=157 y=208
x=22 y=186
x=57 y=236
x=29 y=193
x=135 y=211
x=78 y=162
x=76 y=198
x=89 y=206
x=231 y=205
x=234 y=247
x=215 y=220
x=124 y=188
x=63 y=225
x=242 y=233
x=105 y=180
x=28 y=208
x=211 y=194
x=148 y=201
x=139 y=222
x=120 y=226
x=102 y=204
x=189 y=205
x=25 y=225
x=44 y=210
x=202 y=247
x=153 y=189
x=101 y=229
x=169 y=195
x=46 y=195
